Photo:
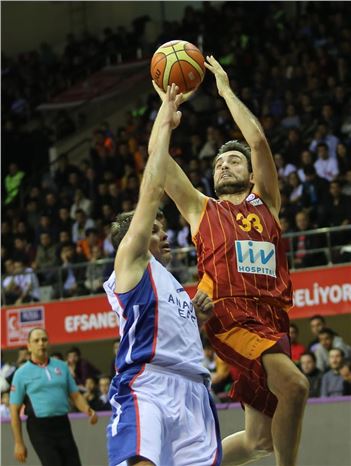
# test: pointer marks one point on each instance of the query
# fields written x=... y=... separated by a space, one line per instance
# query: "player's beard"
x=232 y=187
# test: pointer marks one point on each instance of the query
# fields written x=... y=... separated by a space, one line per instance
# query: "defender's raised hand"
x=169 y=109
x=180 y=97
x=221 y=76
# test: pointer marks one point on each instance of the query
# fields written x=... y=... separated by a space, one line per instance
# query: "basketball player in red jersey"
x=242 y=266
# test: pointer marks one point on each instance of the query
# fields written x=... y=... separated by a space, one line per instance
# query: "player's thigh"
x=258 y=429
x=283 y=377
x=196 y=440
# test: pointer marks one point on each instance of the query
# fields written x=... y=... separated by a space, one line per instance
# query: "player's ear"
x=252 y=178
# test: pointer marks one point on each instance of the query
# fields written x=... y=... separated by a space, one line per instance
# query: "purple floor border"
x=222 y=406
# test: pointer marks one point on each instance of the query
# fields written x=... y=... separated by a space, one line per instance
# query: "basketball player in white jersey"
x=163 y=414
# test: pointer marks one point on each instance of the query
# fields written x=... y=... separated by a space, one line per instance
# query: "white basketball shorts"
x=167 y=418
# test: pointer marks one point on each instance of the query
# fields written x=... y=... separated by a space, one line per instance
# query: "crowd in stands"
x=293 y=73
x=326 y=362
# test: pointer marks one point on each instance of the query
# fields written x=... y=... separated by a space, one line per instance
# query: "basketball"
x=178 y=62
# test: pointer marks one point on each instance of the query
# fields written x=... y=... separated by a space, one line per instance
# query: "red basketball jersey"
x=241 y=252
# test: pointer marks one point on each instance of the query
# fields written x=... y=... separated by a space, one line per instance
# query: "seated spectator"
x=45 y=257
x=295 y=188
x=92 y=394
x=104 y=386
x=346 y=188
x=338 y=206
x=332 y=382
x=291 y=120
x=327 y=341
x=304 y=243
x=283 y=169
x=72 y=276
x=296 y=348
x=317 y=322
x=22 y=250
x=80 y=203
x=115 y=348
x=95 y=272
x=80 y=226
x=27 y=283
x=13 y=181
x=10 y=289
x=80 y=368
x=64 y=221
x=306 y=160
x=91 y=240
x=314 y=375
x=45 y=226
x=343 y=157
x=345 y=372
x=107 y=247
x=321 y=136
x=5 y=405
x=326 y=166
x=314 y=191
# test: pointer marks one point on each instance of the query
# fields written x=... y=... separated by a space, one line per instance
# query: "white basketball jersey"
x=157 y=323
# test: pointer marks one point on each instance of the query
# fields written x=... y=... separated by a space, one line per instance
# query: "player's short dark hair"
x=121 y=225
x=309 y=353
x=235 y=145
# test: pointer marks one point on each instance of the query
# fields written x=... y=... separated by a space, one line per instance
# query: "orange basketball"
x=178 y=62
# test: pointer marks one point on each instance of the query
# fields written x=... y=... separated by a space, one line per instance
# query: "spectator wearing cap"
x=326 y=166
x=332 y=381
x=309 y=368
x=327 y=341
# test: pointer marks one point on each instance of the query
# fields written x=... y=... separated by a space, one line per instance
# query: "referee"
x=44 y=386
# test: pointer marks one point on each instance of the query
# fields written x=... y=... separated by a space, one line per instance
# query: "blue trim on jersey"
x=140 y=310
x=125 y=418
x=218 y=432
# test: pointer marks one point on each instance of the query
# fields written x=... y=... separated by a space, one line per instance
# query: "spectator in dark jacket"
x=345 y=372
x=304 y=243
x=314 y=375
x=80 y=368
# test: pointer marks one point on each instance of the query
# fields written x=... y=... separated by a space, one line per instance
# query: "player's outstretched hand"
x=180 y=97
x=221 y=76
x=169 y=108
x=203 y=306
x=93 y=419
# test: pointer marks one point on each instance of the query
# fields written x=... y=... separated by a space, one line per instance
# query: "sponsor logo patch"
x=257 y=257
x=256 y=202
x=57 y=371
x=21 y=321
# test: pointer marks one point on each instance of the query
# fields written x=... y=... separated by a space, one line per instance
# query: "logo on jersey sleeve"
x=257 y=257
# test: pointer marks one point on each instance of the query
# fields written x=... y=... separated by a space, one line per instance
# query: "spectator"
x=95 y=271
x=338 y=207
x=332 y=382
x=6 y=371
x=314 y=375
x=27 y=283
x=104 y=386
x=10 y=289
x=322 y=137
x=314 y=191
x=45 y=257
x=80 y=368
x=72 y=275
x=327 y=341
x=306 y=161
x=91 y=240
x=345 y=372
x=283 y=169
x=91 y=394
x=80 y=226
x=13 y=183
x=64 y=220
x=317 y=322
x=23 y=250
x=115 y=348
x=326 y=166
x=80 y=203
x=297 y=349
x=5 y=405
x=296 y=188
x=304 y=243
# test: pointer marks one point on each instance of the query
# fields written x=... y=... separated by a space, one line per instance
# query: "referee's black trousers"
x=53 y=441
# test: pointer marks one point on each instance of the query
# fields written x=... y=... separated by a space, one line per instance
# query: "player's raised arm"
x=133 y=253
x=189 y=201
x=265 y=176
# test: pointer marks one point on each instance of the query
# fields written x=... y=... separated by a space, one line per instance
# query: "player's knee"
x=260 y=448
x=299 y=388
